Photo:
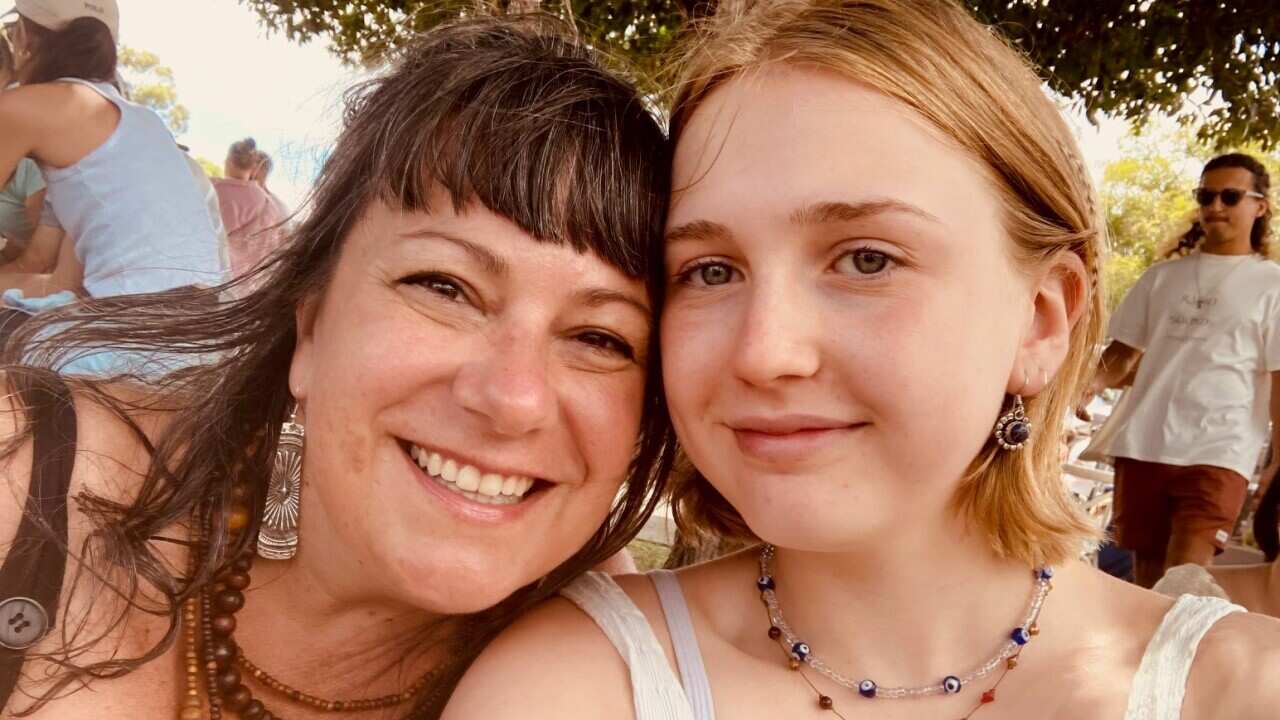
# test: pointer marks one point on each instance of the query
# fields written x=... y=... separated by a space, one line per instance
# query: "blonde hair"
x=971 y=86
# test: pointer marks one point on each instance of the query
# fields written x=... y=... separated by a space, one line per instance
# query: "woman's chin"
x=456 y=589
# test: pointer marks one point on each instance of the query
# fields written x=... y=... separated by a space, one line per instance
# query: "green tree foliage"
x=152 y=84
x=1146 y=194
x=1213 y=64
x=211 y=168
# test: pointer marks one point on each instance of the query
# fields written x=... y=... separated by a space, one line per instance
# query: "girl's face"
x=472 y=399
x=843 y=315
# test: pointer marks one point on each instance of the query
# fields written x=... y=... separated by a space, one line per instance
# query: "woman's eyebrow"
x=482 y=255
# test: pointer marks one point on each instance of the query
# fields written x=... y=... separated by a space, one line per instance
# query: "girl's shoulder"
x=553 y=662
x=1235 y=670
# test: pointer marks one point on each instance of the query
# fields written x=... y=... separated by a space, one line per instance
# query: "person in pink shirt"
x=249 y=213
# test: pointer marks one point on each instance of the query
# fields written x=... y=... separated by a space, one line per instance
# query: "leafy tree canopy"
x=1211 y=64
x=152 y=84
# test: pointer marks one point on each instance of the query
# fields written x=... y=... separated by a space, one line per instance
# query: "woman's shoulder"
x=552 y=662
x=111 y=449
x=1235 y=670
x=41 y=102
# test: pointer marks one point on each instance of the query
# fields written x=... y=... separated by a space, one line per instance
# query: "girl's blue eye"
x=864 y=262
x=715 y=273
x=707 y=274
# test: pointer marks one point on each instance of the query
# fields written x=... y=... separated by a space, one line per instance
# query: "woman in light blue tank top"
x=121 y=191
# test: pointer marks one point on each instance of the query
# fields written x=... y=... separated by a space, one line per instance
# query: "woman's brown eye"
x=445 y=288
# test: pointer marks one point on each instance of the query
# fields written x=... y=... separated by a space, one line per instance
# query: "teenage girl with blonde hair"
x=882 y=298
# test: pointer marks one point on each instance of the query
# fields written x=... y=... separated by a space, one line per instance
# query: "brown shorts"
x=1196 y=503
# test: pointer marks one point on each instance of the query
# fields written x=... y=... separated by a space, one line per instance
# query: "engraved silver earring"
x=278 y=533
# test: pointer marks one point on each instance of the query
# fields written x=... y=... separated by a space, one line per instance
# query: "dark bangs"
x=522 y=119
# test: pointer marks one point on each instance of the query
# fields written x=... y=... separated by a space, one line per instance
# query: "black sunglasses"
x=1230 y=196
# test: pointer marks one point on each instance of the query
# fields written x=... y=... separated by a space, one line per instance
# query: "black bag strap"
x=37 y=559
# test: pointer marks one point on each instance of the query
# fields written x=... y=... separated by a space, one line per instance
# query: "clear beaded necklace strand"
x=800 y=652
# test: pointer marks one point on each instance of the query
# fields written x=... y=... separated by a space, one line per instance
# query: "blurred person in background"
x=1203 y=333
x=118 y=184
x=22 y=193
x=251 y=215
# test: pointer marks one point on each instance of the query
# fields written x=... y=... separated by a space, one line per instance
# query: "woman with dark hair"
x=462 y=325
x=118 y=185
x=22 y=193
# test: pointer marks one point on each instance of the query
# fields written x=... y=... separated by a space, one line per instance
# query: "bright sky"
x=237 y=82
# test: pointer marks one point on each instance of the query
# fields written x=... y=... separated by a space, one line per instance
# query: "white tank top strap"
x=684 y=641
x=655 y=691
x=1161 y=680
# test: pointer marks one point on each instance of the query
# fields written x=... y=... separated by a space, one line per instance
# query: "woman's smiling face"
x=472 y=399
x=842 y=312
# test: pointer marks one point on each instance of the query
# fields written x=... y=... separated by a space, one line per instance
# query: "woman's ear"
x=300 y=368
x=1061 y=296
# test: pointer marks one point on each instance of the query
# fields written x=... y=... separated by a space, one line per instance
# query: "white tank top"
x=132 y=208
x=1156 y=693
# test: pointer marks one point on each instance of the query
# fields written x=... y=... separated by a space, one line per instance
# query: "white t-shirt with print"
x=1209 y=329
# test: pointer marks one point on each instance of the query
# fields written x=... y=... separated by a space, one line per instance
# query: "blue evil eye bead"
x=867 y=689
x=799 y=651
x=1017 y=432
x=765 y=583
x=1020 y=635
x=1045 y=573
x=951 y=684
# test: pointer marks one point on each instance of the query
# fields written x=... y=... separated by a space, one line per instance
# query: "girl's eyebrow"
x=813 y=214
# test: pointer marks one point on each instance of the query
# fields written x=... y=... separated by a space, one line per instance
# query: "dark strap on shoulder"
x=37 y=559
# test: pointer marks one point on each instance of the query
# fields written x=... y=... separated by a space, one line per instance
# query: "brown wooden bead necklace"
x=212 y=655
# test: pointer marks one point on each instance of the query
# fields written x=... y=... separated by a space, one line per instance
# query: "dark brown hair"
x=1260 y=233
x=511 y=114
x=83 y=49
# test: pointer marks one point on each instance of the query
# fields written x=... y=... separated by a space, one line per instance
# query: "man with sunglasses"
x=1203 y=332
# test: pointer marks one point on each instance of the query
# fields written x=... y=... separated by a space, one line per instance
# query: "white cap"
x=57 y=14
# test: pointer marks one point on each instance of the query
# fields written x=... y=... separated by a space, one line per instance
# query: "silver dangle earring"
x=278 y=533
x=1014 y=427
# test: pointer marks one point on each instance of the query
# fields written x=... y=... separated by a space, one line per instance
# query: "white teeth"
x=466 y=480
x=490 y=484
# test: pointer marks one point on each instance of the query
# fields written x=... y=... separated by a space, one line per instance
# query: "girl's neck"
x=906 y=607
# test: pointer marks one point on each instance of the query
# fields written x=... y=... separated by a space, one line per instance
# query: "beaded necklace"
x=800 y=654
x=211 y=654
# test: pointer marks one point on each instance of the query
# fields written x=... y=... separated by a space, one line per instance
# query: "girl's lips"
x=791 y=446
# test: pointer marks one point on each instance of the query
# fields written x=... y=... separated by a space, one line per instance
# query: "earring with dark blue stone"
x=1014 y=428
